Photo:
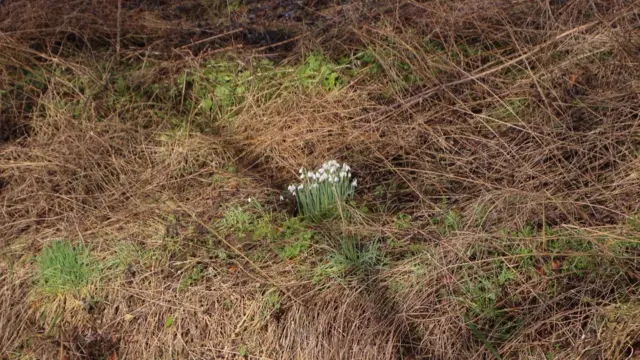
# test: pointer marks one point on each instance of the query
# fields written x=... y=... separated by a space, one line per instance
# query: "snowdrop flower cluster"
x=318 y=189
x=330 y=172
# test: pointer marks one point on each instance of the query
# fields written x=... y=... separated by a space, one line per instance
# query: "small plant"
x=321 y=191
x=264 y=229
x=317 y=70
x=527 y=232
x=168 y=322
x=242 y=350
x=191 y=278
x=238 y=220
x=64 y=268
x=402 y=221
x=291 y=251
x=452 y=221
x=351 y=257
x=293 y=229
x=447 y=224
x=633 y=222
x=271 y=303
x=481 y=212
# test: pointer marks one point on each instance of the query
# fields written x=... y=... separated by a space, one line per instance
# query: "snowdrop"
x=319 y=191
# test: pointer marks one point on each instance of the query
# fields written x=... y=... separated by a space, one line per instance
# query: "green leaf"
x=482 y=338
x=121 y=86
x=207 y=104
x=168 y=322
x=332 y=81
x=242 y=350
x=224 y=94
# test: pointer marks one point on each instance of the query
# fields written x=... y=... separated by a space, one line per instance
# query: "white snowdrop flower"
x=281 y=198
x=343 y=174
x=312 y=176
x=315 y=185
x=354 y=183
x=302 y=177
x=323 y=177
x=348 y=174
x=292 y=189
x=249 y=200
x=346 y=167
x=301 y=186
x=301 y=170
x=336 y=179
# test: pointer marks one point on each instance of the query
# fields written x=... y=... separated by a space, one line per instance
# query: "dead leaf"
x=634 y=275
x=572 y=80
x=539 y=270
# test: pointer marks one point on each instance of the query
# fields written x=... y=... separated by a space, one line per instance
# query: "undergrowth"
x=494 y=215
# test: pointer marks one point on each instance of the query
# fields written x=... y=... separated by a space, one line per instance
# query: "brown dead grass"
x=527 y=110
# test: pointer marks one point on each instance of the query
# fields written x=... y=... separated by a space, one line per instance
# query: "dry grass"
x=496 y=148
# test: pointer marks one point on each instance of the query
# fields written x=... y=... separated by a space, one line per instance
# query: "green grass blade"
x=482 y=338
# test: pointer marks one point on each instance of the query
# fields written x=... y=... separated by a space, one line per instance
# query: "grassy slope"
x=496 y=149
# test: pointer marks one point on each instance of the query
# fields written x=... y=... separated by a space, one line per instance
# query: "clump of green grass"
x=237 y=220
x=65 y=269
x=351 y=258
x=253 y=221
x=320 y=192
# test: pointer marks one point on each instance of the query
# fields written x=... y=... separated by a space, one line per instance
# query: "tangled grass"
x=495 y=146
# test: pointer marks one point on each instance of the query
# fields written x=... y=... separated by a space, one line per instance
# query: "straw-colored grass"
x=496 y=148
